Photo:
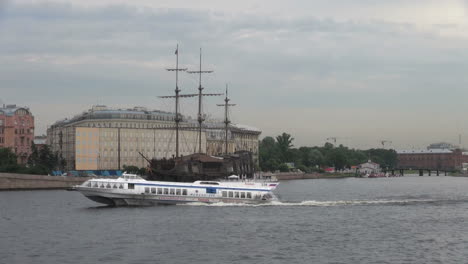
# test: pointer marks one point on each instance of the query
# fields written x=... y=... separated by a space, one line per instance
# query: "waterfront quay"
x=13 y=181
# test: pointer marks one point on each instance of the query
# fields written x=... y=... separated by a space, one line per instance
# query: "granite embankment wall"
x=13 y=181
x=296 y=176
x=300 y=176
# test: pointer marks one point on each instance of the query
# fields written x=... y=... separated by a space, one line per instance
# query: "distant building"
x=431 y=159
x=107 y=139
x=240 y=138
x=40 y=141
x=441 y=145
x=369 y=168
x=17 y=130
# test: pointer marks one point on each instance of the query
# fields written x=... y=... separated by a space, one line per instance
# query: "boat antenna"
x=200 y=96
x=226 y=118
x=178 y=117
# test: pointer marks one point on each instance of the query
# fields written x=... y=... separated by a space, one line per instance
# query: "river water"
x=388 y=220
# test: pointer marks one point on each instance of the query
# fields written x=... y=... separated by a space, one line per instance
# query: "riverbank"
x=302 y=176
x=13 y=181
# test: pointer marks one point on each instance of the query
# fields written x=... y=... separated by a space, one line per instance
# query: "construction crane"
x=385 y=141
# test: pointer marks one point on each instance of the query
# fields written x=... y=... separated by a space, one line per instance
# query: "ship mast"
x=226 y=118
x=200 y=96
x=178 y=117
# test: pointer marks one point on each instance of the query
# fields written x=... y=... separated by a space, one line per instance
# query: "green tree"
x=8 y=160
x=269 y=157
x=336 y=158
x=43 y=160
x=283 y=167
x=284 y=144
x=134 y=170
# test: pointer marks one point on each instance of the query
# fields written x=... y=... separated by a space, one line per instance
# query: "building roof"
x=142 y=113
x=10 y=110
x=248 y=128
x=102 y=112
x=424 y=151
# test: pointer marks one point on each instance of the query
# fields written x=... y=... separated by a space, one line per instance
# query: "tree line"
x=42 y=161
x=276 y=153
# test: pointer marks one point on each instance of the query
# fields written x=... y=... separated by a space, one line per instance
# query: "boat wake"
x=313 y=203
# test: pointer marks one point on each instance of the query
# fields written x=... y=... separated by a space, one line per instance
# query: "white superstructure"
x=131 y=189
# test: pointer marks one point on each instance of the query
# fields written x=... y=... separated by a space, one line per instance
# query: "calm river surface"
x=389 y=220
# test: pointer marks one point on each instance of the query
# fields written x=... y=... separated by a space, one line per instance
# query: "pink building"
x=17 y=130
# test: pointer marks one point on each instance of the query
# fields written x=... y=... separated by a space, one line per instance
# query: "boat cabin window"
x=177 y=191
x=184 y=191
x=114 y=186
x=101 y=185
x=224 y=193
x=147 y=189
x=108 y=185
x=120 y=186
x=160 y=190
x=210 y=190
x=166 y=191
x=242 y=195
x=236 y=194
x=249 y=195
x=131 y=186
x=95 y=185
x=172 y=191
x=88 y=184
x=153 y=190
x=231 y=194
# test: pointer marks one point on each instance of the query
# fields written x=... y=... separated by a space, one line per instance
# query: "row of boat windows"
x=105 y=185
x=233 y=194
x=166 y=191
x=176 y=191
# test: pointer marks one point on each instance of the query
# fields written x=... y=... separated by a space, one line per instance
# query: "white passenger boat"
x=131 y=189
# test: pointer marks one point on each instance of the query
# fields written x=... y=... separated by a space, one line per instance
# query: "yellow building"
x=108 y=139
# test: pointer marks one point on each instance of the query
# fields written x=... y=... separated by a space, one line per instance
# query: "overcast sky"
x=359 y=70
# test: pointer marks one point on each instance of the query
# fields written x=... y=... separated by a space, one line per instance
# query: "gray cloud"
x=63 y=53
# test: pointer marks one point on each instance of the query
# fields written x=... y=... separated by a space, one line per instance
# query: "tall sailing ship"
x=200 y=166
